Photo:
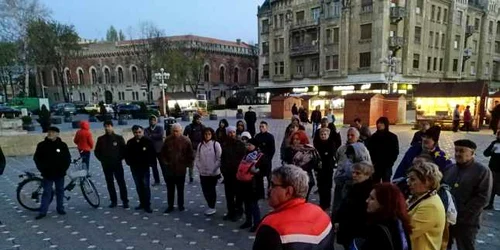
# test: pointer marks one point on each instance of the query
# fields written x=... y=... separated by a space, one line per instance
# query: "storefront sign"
x=342 y=88
x=300 y=90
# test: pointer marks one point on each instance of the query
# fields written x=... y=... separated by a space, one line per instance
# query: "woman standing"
x=426 y=209
x=326 y=149
x=220 y=133
x=207 y=162
x=292 y=128
x=248 y=189
x=388 y=220
x=240 y=128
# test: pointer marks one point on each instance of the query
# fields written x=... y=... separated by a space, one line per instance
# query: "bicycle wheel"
x=90 y=192
x=29 y=193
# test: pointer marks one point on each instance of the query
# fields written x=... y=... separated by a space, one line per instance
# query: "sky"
x=222 y=19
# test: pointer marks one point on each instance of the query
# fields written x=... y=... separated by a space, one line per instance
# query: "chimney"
x=238 y=41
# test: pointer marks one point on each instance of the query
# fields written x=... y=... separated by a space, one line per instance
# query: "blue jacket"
x=440 y=158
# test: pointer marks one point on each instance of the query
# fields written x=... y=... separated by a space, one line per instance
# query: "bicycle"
x=29 y=190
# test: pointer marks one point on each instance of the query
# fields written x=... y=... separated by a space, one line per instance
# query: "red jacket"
x=83 y=138
x=295 y=225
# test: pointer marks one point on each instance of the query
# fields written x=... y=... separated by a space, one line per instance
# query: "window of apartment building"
x=282 y=44
x=276 y=21
x=438 y=14
x=467 y=20
x=282 y=68
x=490 y=28
x=134 y=74
x=477 y=24
x=299 y=67
x=455 y=65
x=436 y=41
x=276 y=45
x=265 y=71
x=456 y=43
x=460 y=16
x=265 y=48
x=328 y=64
x=429 y=63
x=497 y=47
x=443 y=41
x=315 y=13
x=431 y=38
x=366 y=31
x=329 y=36
x=336 y=36
x=365 y=60
x=435 y=64
x=299 y=17
x=282 y=18
x=420 y=6
x=315 y=65
x=473 y=68
x=486 y=69
x=416 y=61
x=474 y=46
x=335 y=62
x=498 y=28
x=276 y=68
x=433 y=11
x=440 y=64
x=366 y=6
x=418 y=34
x=488 y=48
x=265 y=26
x=496 y=68
x=445 y=15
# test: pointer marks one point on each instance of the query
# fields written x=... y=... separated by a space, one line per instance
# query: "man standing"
x=384 y=150
x=52 y=159
x=194 y=132
x=176 y=154
x=110 y=151
x=139 y=156
x=467 y=119
x=417 y=137
x=364 y=131
x=250 y=119
x=495 y=117
x=471 y=184
x=295 y=110
x=155 y=133
x=315 y=119
x=233 y=150
x=268 y=148
x=456 y=118
x=294 y=223
x=84 y=142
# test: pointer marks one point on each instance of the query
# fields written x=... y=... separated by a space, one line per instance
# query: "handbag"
x=244 y=173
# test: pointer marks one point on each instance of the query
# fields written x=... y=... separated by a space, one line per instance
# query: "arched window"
x=120 y=75
x=249 y=76
x=236 y=75
x=94 y=76
x=54 y=78
x=68 y=76
x=222 y=74
x=206 y=73
x=80 y=77
x=107 y=78
x=134 y=74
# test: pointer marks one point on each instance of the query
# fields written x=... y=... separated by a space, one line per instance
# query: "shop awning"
x=451 y=89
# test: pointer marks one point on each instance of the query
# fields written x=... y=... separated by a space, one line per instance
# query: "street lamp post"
x=392 y=63
x=162 y=76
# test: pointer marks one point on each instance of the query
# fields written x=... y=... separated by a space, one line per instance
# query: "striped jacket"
x=295 y=225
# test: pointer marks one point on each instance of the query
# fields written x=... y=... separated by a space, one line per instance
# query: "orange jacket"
x=83 y=138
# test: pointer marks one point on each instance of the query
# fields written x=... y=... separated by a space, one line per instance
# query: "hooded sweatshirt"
x=208 y=158
x=220 y=133
x=83 y=137
x=239 y=132
x=384 y=147
x=345 y=162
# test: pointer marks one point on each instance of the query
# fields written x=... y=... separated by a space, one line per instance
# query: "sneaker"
x=112 y=205
x=148 y=210
x=182 y=209
x=62 y=212
x=40 y=216
x=125 y=205
x=210 y=211
x=246 y=225
x=168 y=210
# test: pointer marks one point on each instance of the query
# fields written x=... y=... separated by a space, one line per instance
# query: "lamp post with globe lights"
x=162 y=76
x=392 y=64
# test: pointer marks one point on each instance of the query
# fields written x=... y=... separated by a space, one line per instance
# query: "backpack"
x=244 y=173
x=448 y=202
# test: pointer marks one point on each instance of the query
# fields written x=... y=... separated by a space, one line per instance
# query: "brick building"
x=109 y=72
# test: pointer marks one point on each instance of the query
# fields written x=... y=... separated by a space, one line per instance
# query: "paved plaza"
x=87 y=228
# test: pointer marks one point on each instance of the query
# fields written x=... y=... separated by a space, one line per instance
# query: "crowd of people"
x=429 y=202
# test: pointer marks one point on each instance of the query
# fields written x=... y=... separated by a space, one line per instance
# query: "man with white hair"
x=294 y=223
x=177 y=155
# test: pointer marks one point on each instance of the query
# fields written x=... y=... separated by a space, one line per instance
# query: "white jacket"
x=207 y=161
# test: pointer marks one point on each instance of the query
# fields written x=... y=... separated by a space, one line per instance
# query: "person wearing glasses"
x=293 y=223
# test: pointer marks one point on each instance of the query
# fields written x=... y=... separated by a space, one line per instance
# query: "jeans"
x=208 y=184
x=234 y=201
x=112 y=172
x=315 y=127
x=252 y=211
x=154 y=168
x=141 y=179
x=47 y=194
x=85 y=158
x=464 y=236
x=174 y=182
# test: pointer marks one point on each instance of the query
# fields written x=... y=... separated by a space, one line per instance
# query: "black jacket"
x=110 y=149
x=316 y=116
x=334 y=136
x=250 y=119
x=352 y=213
x=2 y=161
x=417 y=138
x=384 y=149
x=377 y=238
x=195 y=133
x=233 y=151
x=495 y=155
x=268 y=147
x=140 y=154
x=326 y=150
x=220 y=133
x=52 y=158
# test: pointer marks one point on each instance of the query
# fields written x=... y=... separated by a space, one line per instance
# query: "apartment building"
x=345 y=45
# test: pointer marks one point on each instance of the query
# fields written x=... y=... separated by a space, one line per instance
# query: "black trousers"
x=154 y=168
x=456 y=124
x=468 y=126
x=234 y=202
x=382 y=173
x=208 y=184
x=173 y=183
x=142 y=185
x=325 y=184
x=464 y=236
x=112 y=172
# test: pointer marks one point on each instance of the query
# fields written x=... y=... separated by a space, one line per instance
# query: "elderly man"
x=52 y=158
x=293 y=224
x=177 y=155
x=471 y=185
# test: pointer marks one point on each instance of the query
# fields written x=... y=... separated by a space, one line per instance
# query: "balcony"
x=396 y=42
x=304 y=24
x=298 y=76
x=397 y=14
x=302 y=50
x=469 y=30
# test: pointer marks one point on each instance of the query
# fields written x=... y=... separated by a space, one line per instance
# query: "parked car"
x=154 y=109
x=63 y=107
x=96 y=107
x=128 y=109
x=9 y=112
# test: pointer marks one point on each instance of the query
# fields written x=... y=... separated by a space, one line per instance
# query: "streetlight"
x=43 y=90
x=392 y=63
x=162 y=76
